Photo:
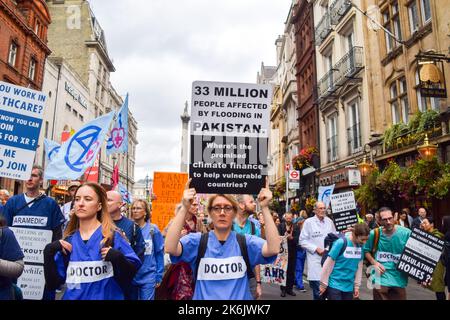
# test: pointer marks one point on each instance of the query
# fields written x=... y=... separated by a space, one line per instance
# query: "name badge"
x=353 y=253
x=88 y=271
x=29 y=221
x=387 y=257
x=222 y=269
x=148 y=247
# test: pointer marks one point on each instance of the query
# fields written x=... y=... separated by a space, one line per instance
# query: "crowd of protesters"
x=99 y=253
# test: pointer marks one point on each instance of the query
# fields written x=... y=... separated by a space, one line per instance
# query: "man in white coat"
x=314 y=231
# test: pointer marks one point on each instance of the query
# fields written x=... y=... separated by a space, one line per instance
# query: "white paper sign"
x=33 y=242
x=32 y=282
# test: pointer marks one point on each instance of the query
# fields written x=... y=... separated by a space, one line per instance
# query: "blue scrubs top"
x=9 y=250
x=88 y=277
x=222 y=271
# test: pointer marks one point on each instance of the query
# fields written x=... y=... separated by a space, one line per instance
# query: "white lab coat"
x=312 y=236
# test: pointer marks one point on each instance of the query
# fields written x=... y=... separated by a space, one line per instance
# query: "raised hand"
x=188 y=195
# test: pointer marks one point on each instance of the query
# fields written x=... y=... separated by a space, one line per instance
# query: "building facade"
x=303 y=21
x=77 y=37
x=342 y=90
x=23 y=50
x=420 y=39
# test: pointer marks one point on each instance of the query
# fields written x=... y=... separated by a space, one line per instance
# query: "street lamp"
x=427 y=150
x=366 y=167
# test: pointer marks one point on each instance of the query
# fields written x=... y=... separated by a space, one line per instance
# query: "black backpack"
x=242 y=245
x=328 y=244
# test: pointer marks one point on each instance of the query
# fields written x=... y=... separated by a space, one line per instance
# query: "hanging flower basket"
x=304 y=158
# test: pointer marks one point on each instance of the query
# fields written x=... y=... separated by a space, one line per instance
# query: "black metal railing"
x=338 y=9
x=323 y=29
x=349 y=65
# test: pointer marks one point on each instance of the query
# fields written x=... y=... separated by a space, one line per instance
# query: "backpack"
x=328 y=242
x=242 y=245
x=376 y=240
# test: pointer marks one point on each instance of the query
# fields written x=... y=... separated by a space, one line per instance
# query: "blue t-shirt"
x=343 y=275
x=134 y=235
x=247 y=228
x=88 y=277
x=43 y=214
x=153 y=266
x=222 y=271
x=9 y=250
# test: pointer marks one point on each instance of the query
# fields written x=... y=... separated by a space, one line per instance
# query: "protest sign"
x=421 y=254
x=168 y=188
x=21 y=113
x=343 y=206
x=229 y=137
x=32 y=242
x=277 y=272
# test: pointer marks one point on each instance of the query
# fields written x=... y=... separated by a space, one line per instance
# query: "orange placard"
x=168 y=188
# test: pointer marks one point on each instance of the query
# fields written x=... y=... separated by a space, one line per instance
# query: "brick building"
x=23 y=50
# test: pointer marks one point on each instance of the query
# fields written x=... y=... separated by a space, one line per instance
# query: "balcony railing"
x=323 y=28
x=326 y=83
x=338 y=9
x=345 y=68
x=349 y=64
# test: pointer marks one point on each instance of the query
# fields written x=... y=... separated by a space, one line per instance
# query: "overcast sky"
x=160 y=47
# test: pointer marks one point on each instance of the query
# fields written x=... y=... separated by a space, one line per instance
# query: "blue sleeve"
x=190 y=245
x=336 y=249
x=123 y=246
x=254 y=249
x=158 y=245
x=8 y=211
x=59 y=260
x=11 y=250
x=140 y=244
x=57 y=216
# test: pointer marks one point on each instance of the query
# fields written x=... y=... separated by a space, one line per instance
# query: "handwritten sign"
x=168 y=188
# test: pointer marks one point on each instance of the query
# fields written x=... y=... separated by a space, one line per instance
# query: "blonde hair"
x=146 y=209
x=103 y=216
x=229 y=197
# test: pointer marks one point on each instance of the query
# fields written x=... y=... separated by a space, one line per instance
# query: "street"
x=414 y=292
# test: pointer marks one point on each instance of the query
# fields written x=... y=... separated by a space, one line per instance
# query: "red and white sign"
x=294 y=179
x=287 y=167
x=294 y=175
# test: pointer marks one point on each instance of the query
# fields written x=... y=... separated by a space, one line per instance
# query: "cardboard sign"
x=421 y=255
x=343 y=206
x=168 y=188
x=277 y=272
x=230 y=125
x=21 y=112
x=32 y=242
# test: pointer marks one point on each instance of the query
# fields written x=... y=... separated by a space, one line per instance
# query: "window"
x=75 y=113
x=32 y=70
x=354 y=129
x=332 y=146
x=68 y=107
x=12 y=57
x=414 y=23
x=419 y=13
x=37 y=28
x=81 y=118
x=46 y=129
x=391 y=21
x=399 y=101
x=425 y=103
x=426 y=10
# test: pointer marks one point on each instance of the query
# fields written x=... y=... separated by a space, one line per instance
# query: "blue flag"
x=80 y=151
x=325 y=193
x=126 y=195
x=51 y=148
x=118 y=137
